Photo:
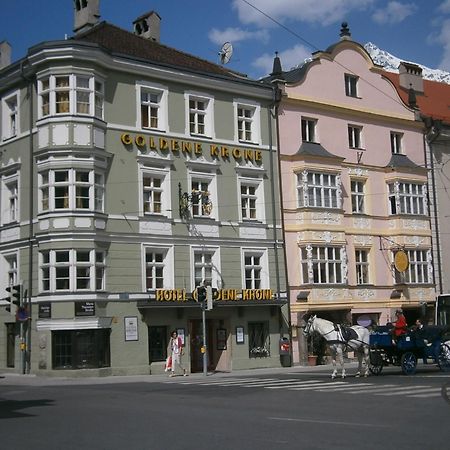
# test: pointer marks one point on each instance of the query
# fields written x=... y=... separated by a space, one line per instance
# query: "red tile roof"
x=435 y=100
x=123 y=42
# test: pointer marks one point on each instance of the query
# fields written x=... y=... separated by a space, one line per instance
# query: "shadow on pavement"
x=10 y=409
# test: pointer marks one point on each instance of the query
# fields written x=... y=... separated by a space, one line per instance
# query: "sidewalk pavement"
x=14 y=379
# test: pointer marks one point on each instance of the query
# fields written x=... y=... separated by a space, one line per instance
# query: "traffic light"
x=209 y=298
x=201 y=294
x=15 y=298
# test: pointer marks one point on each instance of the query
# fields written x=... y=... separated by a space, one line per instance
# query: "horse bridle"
x=307 y=327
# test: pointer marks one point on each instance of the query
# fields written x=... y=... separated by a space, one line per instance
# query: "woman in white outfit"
x=175 y=349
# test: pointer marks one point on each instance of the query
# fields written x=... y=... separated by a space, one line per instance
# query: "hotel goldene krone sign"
x=180 y=295
x=165 y=145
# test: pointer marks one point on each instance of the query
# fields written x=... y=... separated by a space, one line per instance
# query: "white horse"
x=338 y=338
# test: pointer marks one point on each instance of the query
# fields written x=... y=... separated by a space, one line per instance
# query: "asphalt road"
x=270 y=409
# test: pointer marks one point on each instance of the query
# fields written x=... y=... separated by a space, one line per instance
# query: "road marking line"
x=330 y=422
x=405 y=392
x=268 y=383
x=345 y=388
x=431 y=394
x=375 y=389
x=317 y=385
x=298 y=383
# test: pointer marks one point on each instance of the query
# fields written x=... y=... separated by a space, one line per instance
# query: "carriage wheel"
x=409 y=363
x=443 y=359
x=376 y=363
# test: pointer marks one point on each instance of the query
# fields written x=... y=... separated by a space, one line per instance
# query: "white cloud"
x=444 y=38
x=445 y=7
x=324 y=12
x=289 y=58
x=394 y=12
x=236 y=34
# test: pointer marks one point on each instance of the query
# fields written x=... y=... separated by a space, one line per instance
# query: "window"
x=152 y=186
x=157 y=343
x=154 y=269
x=10 y=199
x=203 y=267
x=201 y=204
x=407 y=198
x=200 y=115
x=248 y=124
x=396 y=143
x=322 y=265
x=71 y=189
x=258 y=340
x=355 y=136
x=309 y=130
x=252 y=270
x=351 y=84
x=155 y=193
x=72 y=270
x=10 y=116
x=362 y=266
x=81 y=349
x=357 y=193
x=70 y=94
x=248 y=201
x=11 y=261
x=318 y=190
x=153 y=107
x=419 y=269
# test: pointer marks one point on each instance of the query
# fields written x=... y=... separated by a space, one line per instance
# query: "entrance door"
x=196 y=342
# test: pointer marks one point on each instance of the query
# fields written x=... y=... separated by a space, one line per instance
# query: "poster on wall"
x=131 y=329
x=239 y=335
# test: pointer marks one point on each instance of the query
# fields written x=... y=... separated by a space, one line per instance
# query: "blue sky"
x=412 y=30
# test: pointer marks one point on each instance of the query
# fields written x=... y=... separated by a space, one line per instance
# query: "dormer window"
x=351 y=84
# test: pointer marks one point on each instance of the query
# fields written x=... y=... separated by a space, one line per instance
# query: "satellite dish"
x=225 y=52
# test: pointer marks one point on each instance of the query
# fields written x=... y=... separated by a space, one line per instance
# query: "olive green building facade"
x=131 y=174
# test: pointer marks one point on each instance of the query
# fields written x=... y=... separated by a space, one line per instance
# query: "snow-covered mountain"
x=391 y=63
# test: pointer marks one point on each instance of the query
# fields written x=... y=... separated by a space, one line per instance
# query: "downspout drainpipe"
x=277 y=98
x=27 y=353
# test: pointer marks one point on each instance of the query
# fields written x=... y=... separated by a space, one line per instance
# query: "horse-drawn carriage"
x=428 y=344
x=377 y=349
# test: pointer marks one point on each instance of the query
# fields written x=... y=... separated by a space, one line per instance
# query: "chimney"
x=148 y=26
x=5 y=54
x=410 y=76
x=87 y=13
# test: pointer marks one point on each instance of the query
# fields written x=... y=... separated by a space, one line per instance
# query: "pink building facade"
x=354 y=187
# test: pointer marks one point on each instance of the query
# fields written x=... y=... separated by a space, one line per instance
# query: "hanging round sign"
x=22 y=314
x=401 y=261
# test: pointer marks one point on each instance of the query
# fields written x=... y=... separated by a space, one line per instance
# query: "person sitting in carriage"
x=400 y=326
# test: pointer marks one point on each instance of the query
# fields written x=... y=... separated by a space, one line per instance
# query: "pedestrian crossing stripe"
x=319 y=385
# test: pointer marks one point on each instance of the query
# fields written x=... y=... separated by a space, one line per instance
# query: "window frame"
x=249 y=201
x=308 y=128
x=320 y=269
x=405 y=203
x=58 y=273
x=10 y=198
x=362 y=266
x=63 y=99
x=314 y=192
x=258 y=278
x=419 y=269
x=355 y=137
x=351 y=85
x=258 y=339
x=396 y=143
x=209 y=269
x=358 y=197
x=49 y=186
x=161 y=106
x=10 y=126
x=254 y=121
x=207 y=113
